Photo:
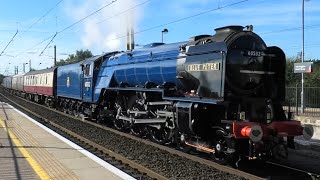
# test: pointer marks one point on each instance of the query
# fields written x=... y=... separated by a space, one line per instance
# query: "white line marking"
x=93 y=157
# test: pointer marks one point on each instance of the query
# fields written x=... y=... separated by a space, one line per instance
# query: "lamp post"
x=24 y=67
x=164 y=31
x=302 y=59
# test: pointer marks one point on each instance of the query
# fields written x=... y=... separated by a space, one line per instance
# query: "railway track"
x=172 y=166
x=130 y=167
x=252 y=171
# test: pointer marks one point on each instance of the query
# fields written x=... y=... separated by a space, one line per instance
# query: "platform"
x=29 y=150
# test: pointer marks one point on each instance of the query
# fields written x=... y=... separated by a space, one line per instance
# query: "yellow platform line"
x=33 y=163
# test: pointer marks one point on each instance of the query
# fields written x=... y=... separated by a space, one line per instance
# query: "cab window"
x=87 y=70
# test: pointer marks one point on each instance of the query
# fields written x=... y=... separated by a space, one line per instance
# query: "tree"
x=73 y=58
x=292 y=78
x=313 y=79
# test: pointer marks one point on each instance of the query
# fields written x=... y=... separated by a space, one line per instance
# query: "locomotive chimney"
x=249 y=28
x=228 y=29
x=130 y=38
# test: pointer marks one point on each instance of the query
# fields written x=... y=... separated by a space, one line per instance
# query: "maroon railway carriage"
x=40 y=85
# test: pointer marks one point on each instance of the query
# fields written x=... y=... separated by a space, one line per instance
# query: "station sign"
x=302 y=67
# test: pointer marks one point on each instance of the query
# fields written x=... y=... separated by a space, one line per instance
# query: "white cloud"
x=102 y=30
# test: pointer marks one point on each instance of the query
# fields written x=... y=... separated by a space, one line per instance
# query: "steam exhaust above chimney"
x=130 y=38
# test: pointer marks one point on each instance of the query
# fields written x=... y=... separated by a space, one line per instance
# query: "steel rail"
x=162 y=147
x=312 y=175
x=96 y=146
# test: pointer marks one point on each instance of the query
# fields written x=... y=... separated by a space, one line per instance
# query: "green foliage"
x=292 y=78
x=73 y=58
x=313 y=79
x=310 y=79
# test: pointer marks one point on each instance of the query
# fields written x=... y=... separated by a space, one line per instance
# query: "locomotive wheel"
x=118 y=124
x=77 y=110
x=137 y=130
x=181 y=145
x=219 y=155
x=160 y=136
x=119 y=106
x=65 y=111
x=76 y=113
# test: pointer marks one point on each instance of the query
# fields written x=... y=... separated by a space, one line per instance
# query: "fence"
x=311 y=101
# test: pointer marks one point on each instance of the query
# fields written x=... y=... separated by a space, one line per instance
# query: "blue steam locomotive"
x=218 y=94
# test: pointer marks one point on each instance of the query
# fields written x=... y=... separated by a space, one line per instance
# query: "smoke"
x=104 y=29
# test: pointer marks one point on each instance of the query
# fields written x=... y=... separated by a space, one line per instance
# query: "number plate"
x=253 y=53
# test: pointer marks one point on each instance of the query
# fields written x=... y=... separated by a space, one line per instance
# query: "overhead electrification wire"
x=53 y=36
x=119 y=37
x=133 y=7
x=9 y=43
x=123 y=12
x=35 y=45
x=43 y=16
x=47 y=44
x=291 y=29
x=182 y=19
x=88 y=16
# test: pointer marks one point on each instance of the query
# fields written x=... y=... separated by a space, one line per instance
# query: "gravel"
x=160 y=161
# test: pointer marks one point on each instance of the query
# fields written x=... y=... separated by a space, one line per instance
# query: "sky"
x=101 y=25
